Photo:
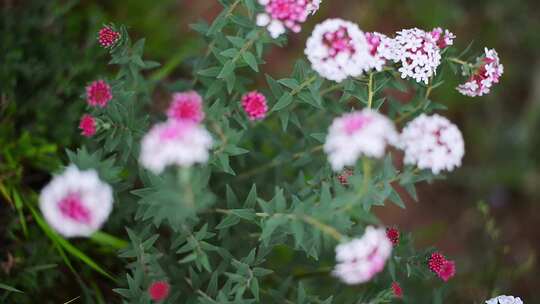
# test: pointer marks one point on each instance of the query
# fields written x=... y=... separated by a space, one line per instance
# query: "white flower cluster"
x=181 y=143
x=417 y=52
x=429 y=142
x=432 y=142
x=359 y=133
x=504 y=300
x=488 y=71
x=359 y=260
x=338 y=49
x=76 y=203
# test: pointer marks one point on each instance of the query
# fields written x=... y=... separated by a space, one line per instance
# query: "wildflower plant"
x=242 y=168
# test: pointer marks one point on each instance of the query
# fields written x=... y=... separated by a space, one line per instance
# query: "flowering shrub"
x=212 y=188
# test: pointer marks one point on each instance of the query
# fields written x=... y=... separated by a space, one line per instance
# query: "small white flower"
x=338 y=49
x=179 y=143
x=313 y=6
x=504 y=300
x=417 y=52
x=432 y=142
x=276 y=28
x=263 y=19
x=359 y=260
x=76 y=203
x=359 y=133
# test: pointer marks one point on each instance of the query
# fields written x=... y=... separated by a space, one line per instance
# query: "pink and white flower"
x=417 y=52
x=338 y=49
x=487 y=71
x=285 y=14
x=361 y=259
x=174 y=142
x=505 y=300
x=98 y=94
x=379 y=48
x=107 y=37
x=87 y=125
x=254 y=104
x=186 y=106
x=432 y=142
x=443 y=38
x=358 y=133
x=76 y=203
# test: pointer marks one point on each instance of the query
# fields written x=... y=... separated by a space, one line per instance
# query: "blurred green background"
x=48 y=54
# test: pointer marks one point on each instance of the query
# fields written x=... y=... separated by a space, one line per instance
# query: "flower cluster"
x=417 y=52
x=379 y=46
x=76 y=203
x=107 y=37
x=443 y=268
x=181 y=143
x=254 y=104
x=98 y=94
x=361 y=259
x=432 y=142
x=487 y=72
x=87 y=125
x=338 y=49
x=280 y=15
x=180 y=140
x=359 y=133
x=505 y=300
x=393 y=235
x=343 y=177
x=159 y=291
x=443 y=38
x=186 y=106
x=396 y=290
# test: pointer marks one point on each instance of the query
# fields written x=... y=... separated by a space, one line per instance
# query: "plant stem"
x=303 y=85
x=418 y=107
x=247 y=45
x=328 y=230
x=370 y=90
x=276 y=163
x=456 y=60
x=331 y=89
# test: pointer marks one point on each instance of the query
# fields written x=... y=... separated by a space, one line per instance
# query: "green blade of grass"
x=17 y=202
x=19 y=206
x=67 y=246
x=108 y=240
x=9 y=288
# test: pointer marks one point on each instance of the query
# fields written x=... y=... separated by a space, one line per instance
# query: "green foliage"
x=257 y=224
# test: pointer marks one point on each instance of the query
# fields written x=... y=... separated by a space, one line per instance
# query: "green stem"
x=331 y=89
x=247 y=45
x=418 y=107
x=276 y=163
x=328 y=230
x=303 y=85
x=184 y=175
x=370 y=91
x=456 y=60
